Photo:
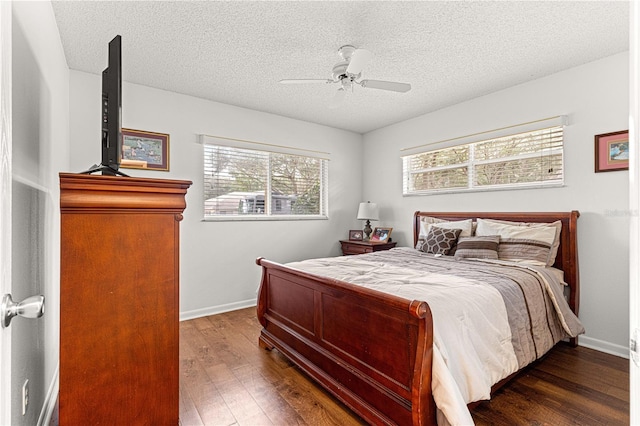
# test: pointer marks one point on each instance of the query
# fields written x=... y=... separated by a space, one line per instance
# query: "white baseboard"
x=213 y=310
x=602 y=346
x=50 y=399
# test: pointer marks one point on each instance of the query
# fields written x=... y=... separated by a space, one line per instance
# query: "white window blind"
x=527 y=159
x=246 y=183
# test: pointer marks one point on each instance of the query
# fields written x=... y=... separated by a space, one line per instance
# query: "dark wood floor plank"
x=238 y=399
x=210 y=405
x=189 y=415
x=306 y=398
x=272 y=403
x=561 y=389
x=226 y=379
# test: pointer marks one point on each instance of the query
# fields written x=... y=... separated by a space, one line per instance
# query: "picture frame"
x=356 y=235
x=612 y=151
x=381 y=235
x=142 y=149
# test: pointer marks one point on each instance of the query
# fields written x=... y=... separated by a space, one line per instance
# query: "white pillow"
x=427 y=222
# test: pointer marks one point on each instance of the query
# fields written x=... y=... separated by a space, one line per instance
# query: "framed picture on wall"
x=145 y=150
x=612 y=151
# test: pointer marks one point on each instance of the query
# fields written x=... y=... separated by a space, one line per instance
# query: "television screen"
x=112 y=110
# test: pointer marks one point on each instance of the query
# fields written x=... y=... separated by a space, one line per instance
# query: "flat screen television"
x=111 y=112
x=112 y=109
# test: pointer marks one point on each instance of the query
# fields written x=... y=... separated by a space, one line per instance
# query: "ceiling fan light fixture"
x=346 y=52
x=348 y=72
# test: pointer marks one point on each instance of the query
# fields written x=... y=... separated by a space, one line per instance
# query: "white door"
x=634 y=204
x=21 y=240
x=5 y=204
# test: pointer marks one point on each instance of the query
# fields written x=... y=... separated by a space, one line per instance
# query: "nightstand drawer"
x=361 y=247
x=353 y=249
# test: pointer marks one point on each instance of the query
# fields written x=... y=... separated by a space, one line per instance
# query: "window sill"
x=485 y=189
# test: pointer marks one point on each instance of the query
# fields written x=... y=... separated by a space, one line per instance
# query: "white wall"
x=595 y=97
x=40 y=151
x=218 y=270
x=217 y=259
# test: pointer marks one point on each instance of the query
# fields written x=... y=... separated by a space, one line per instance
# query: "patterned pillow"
x=427 y=222
x=482 y=247
x=440 y=240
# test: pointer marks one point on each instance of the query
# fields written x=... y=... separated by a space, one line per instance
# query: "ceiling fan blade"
x=386 y=85
x=359 y=59
x=306 y=80
x=338 y=98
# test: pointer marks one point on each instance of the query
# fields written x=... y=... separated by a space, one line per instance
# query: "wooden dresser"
x=119 y=299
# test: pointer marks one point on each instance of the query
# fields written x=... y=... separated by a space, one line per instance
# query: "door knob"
x=31 y=307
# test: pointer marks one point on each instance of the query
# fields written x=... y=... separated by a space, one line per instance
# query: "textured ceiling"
x=235 y=52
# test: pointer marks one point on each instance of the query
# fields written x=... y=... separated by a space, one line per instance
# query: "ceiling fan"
x=348 y=71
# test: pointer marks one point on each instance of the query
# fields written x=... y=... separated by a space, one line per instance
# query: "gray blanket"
x=537 y=311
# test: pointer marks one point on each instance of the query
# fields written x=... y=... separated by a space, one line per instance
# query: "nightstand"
x=360 y=247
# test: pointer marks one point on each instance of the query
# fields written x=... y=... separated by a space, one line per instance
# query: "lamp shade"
x=368 y=211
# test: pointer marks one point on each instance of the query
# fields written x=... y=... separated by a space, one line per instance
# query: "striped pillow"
x=557 y=225
x=525 y=244
x=534 y=252
x=482 y=247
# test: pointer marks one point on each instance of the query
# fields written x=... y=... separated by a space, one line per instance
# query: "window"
x=242 y=183
x=529 y=159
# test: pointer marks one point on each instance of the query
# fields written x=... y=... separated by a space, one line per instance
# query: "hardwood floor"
x=226 y=379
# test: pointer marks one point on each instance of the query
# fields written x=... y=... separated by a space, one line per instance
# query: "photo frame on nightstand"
x=356 y=235
x=381 y=235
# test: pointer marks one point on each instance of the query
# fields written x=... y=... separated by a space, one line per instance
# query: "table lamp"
x=368 y=211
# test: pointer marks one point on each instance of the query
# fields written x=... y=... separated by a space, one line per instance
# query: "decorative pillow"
x=440 y=240
x=478 y=247
x=426 y=222
x=520 y=243
x=557 y=225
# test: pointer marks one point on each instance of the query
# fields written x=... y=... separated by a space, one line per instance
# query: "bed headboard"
x=567 y=258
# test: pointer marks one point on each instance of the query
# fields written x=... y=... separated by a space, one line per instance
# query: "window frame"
x=268 y=149
x=408 y=175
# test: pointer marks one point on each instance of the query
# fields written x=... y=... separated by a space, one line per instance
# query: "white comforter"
x=472 y=337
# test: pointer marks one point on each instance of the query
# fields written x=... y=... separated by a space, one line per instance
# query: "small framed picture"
x=145 y=150
x=612 y=151
x=381 y=235
x=355 y=235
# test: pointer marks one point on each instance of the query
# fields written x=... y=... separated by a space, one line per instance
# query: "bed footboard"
x=371 y=350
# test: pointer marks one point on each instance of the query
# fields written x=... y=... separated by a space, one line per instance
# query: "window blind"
x=250 y=183
x=532 y=158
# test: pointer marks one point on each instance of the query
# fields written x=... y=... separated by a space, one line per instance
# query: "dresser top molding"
x=83 y=191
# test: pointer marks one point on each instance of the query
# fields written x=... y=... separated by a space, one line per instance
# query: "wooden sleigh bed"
x=372 y=350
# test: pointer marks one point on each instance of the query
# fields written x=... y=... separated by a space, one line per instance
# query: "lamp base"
x=367 y=231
